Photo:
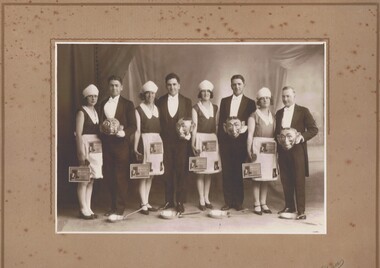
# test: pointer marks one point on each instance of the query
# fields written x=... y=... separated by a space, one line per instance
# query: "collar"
x=290 y=108
x=172 y=98
x=148 y=112
x=234 y=98
x=207 y=111
x=114 y=100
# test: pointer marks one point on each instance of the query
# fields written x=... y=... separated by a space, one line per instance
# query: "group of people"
x=150 y=131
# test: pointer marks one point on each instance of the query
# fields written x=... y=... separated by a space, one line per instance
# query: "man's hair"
x=238 y=76
x=171 y=76
x=115 y=77
x=288 y=87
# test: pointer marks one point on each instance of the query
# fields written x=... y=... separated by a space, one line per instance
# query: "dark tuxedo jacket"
x=125 y=113
x=247 y=106
x=304 y=123
x=184 y=110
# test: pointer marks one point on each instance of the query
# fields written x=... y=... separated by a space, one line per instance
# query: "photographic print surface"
x=261 y=65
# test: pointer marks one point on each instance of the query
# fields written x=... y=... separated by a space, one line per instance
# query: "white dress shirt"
x=287 y=117
x=110 y=107
x=235 y=104
x=173 y=105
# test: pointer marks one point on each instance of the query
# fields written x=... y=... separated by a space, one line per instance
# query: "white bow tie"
x=112 y=100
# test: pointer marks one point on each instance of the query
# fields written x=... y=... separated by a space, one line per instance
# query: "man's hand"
x=120 y=134
x=299 y=138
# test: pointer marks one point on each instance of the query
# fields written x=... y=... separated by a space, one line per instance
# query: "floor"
x=238 y=222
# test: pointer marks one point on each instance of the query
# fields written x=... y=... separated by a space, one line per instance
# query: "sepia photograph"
x=253 y=112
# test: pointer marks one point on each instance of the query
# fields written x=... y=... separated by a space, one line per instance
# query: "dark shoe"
x=239 y=207
x=226 y=207
x=180 y=208
x=152 y=209
x=209 y=205
x=257 y=212
x=287 y=210
x=94 y=216
x=145 y=210
x=202 y=207
x=110 y=212
x=85 y=217
x=301 y=216
x=265 y=210
x=167 y=206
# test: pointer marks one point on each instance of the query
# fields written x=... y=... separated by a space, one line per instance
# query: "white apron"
x=266 y=152
x=208 y=145
x=93 y=153
x=153 y=152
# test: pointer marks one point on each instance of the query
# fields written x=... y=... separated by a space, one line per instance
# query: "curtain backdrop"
x=272 y=66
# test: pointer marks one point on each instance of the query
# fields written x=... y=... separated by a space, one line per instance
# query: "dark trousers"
x=233 y=153
x=176 y=159
x=292 y=173
x=116 y=173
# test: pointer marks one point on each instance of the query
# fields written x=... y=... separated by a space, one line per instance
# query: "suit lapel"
x=228 y=106
x=295 y=117
x=165 y=110
x=243 y=105
x=118 y=108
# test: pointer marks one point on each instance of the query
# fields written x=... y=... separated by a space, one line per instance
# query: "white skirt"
x=153 y=152
x=93 y=152
x=208 y=145
x=266 y=152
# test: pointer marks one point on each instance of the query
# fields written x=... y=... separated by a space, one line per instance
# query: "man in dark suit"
x=294 y=164
x=233 y=149
x=116 y=147
x=172 y=107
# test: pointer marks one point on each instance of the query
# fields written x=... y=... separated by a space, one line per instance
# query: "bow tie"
x=112 y=100
x=287 y=109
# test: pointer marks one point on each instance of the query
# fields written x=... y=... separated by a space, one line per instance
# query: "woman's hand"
x=196 y=151
x=251 y=155
x=138 y=155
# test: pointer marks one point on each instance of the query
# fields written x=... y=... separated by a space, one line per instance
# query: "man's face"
x=115 y=88
x=288 y=97
x=237 y=86
x=172 y=86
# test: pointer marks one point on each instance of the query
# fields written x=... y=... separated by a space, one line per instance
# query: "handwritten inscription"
x=337 y=264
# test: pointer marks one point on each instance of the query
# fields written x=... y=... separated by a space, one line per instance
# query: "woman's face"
x=92 y=100
x=264 y=102
x=149 y=97
x=205 y=95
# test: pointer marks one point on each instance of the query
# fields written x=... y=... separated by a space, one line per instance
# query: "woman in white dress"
x=89 y=150
x=148 y=149
x=261 y=148
x=205 y=142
